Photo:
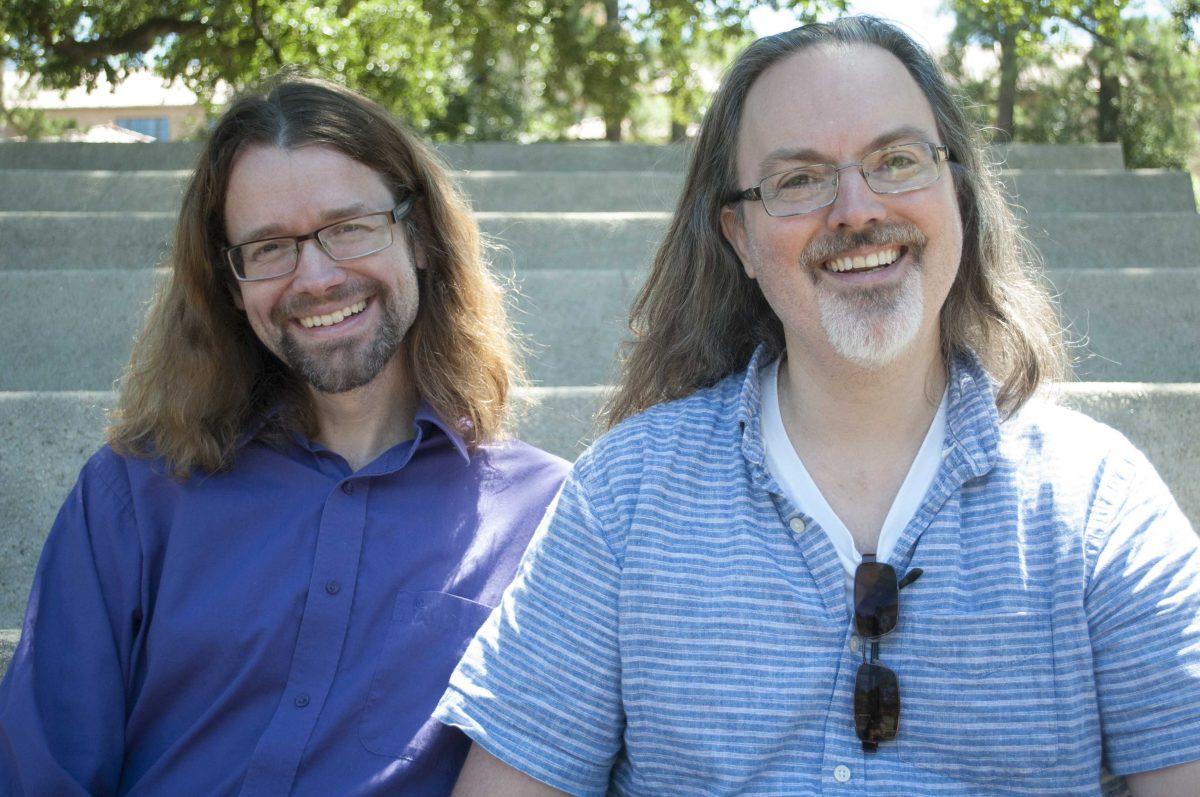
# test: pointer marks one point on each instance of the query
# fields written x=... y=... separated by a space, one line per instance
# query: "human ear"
x=733 y=227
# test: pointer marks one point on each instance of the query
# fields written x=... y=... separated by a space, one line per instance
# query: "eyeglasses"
x=343 y=240
x=892 y=170
x=876 y=687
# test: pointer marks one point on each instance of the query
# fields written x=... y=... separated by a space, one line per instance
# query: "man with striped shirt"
x=833 y=544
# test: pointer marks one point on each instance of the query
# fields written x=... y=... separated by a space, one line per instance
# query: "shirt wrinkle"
x=727 y=655
x=296 y=627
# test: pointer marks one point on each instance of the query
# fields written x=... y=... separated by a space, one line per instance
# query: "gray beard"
x=872 y=327
x=338 y=366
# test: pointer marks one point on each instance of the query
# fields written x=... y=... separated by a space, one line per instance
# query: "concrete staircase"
x=84 y=226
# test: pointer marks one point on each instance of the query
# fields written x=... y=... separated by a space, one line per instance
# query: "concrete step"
x=9 y=637
x=1059 y=157
x=46 y=437
x=58 y=240
x=1116 y=240
x=596 y=191
x=565 y=156
x=73 y=330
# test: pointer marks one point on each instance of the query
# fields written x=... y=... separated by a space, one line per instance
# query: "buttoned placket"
x=318 y=650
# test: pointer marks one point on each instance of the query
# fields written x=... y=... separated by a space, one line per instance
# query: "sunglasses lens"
x=876 y=599
x=876 y=703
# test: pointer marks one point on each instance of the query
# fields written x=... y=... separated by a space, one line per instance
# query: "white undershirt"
x=790 y=474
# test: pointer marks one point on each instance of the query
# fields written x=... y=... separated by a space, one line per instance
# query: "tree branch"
x=137 y=39
x=261 y=28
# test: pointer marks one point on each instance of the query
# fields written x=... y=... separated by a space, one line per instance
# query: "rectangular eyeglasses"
x=894 y=169
x=343 y=240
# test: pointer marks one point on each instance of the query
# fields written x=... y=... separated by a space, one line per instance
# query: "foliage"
x=1158 y=101
x=472 y=69
x=1018 y=29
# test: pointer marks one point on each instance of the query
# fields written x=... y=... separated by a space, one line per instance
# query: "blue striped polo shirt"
x=678 y=628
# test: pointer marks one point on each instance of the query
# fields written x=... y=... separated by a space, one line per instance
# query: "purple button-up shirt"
x=285 y=627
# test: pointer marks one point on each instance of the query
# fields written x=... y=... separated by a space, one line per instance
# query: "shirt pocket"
x=977 y=694
x=428 y=634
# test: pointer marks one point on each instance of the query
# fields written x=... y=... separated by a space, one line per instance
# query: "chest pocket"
x=428 y=634
x=977 y=695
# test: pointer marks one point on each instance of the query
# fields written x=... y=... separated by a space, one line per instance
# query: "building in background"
x=139 y=108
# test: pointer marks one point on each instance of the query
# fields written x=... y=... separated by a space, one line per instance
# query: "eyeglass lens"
x=891 y=170
x=876 y=599
x=876 y=704
x=876 y=687
x=345 y=240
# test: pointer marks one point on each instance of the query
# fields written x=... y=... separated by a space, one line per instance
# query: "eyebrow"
x=784 y=155
x=329 y=216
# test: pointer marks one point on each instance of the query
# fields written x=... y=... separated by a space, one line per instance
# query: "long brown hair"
x=198 y=375
x=698 y=318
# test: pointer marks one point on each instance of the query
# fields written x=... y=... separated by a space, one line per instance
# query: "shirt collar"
x=972 y=420
x=426 y=418
x=425 y=422
x=749 y=410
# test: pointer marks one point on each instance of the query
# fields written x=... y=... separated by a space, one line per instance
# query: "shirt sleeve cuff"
x=528 y=753
x=1156 y=748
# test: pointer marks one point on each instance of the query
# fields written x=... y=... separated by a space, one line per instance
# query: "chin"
x=873 y=331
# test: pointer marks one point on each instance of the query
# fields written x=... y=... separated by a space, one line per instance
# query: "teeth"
x=336 y=317
x=873 y=260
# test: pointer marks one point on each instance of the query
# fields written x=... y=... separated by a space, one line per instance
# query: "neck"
x=361 y=424
x=857 y=431
x=834 y=402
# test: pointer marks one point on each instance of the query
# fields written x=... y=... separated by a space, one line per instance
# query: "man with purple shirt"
x=304 y=510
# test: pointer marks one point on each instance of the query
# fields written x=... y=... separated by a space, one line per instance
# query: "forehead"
x=283 y=191
x=829 y=101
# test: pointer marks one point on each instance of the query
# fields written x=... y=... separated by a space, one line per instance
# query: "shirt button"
x=301 y=701
x=348 y=488
x=332 y=587
x=841 y=773
x=796 y=524
x=855 y=644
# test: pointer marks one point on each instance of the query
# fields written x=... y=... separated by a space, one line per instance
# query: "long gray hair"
x=698 y=317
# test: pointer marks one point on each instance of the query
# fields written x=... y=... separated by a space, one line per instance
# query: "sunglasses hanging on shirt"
x=876 y=687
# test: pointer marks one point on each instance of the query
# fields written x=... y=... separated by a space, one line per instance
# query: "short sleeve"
x=63 y=699
x=539 y=687
x=1143 y=606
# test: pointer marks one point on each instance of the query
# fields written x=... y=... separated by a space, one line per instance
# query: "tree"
x=1016 y=28
x=684 y=34
x=454 y=68
x=1157 y=95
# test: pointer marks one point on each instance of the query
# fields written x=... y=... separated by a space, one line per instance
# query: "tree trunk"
x=1006 y=100
x=612 y=21
x=1108 y=106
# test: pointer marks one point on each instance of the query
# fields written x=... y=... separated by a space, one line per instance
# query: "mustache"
x=303 y=304
x=830 y=246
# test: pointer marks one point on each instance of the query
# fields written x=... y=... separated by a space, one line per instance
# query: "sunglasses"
x=876 y=688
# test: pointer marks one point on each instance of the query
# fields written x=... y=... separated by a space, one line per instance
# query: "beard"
x=870 y=326
x=343 y=365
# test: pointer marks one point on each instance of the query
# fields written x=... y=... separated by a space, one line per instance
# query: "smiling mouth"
x=336 y=317
x=863 y=264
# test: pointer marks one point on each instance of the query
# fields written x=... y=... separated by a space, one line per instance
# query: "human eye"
x=799 y=181
x=899 y=161
x=353 y=228
x=264 y=251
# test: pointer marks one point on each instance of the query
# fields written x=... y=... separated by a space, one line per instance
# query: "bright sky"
x=926 y=20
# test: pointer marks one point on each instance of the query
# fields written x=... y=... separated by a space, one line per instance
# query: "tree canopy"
x=1066 y=70
x=455 y=68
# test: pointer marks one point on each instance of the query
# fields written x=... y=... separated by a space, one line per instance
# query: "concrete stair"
x=84 y=227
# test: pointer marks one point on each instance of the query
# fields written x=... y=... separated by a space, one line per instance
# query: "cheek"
x=257 y=304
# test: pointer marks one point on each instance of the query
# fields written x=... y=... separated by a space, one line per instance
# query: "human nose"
x=855 y=204
x=316 y=272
